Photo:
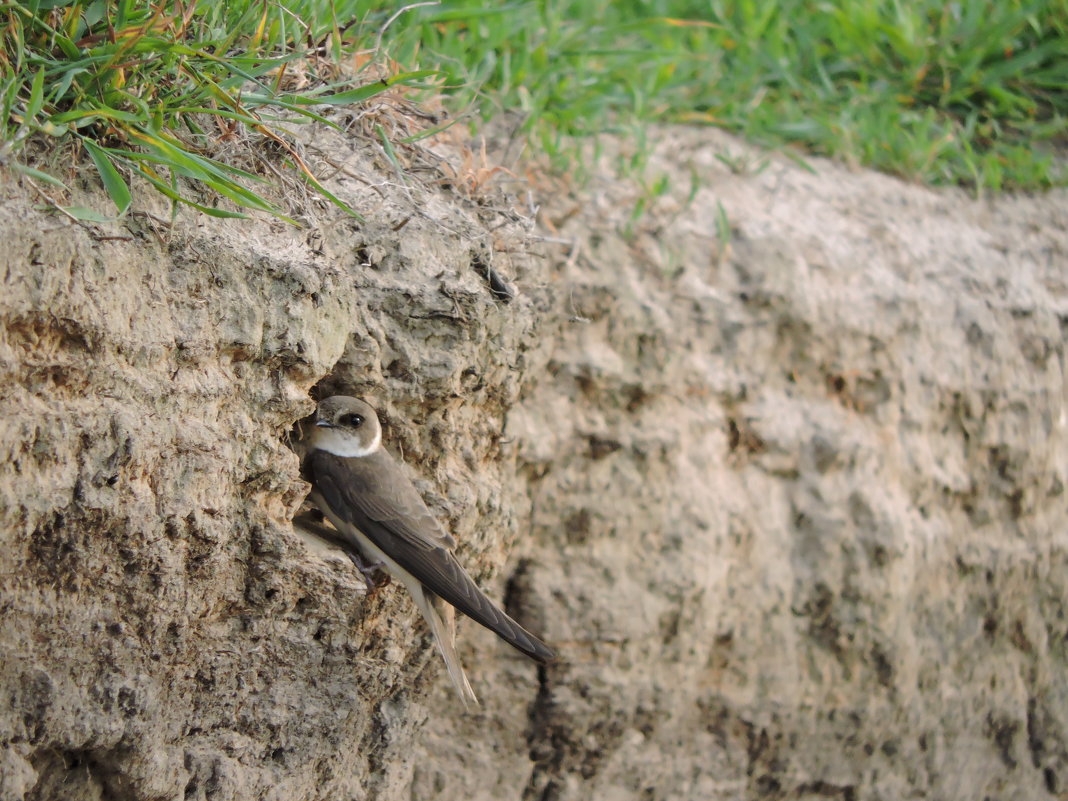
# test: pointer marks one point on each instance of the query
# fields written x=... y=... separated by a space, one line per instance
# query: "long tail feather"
x=445 y=636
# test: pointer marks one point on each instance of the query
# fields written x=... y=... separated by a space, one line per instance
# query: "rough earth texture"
x=779 y=469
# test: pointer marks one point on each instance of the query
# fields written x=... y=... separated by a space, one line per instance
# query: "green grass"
x=155 y=90
x=973 y=92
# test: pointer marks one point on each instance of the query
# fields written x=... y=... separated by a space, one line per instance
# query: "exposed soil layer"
x=778 y=468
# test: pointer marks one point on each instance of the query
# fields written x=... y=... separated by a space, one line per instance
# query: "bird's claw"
x=372 y=572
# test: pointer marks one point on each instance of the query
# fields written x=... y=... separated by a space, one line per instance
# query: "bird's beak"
x=325 y=424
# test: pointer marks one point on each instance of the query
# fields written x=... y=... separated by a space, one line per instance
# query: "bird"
x=372 y=503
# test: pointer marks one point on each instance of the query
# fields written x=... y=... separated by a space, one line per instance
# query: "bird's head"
x=346 y=426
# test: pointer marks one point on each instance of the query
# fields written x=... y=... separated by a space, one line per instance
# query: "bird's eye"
x=353 y=420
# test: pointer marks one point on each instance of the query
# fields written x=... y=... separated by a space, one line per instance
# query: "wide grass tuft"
x=972 y=92
x=155 y=89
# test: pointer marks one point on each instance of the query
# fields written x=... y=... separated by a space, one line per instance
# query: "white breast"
x=342 y=443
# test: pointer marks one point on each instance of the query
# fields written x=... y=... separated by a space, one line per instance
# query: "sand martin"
x=374 y=506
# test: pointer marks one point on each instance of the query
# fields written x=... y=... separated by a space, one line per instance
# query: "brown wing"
x=376 y=496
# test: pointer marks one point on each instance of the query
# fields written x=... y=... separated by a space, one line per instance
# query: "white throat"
x=343 y=444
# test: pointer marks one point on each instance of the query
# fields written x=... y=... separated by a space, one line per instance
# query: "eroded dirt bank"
x=781 y=474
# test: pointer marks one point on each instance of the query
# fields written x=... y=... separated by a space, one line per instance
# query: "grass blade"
x=37 y=174
x=114 y=184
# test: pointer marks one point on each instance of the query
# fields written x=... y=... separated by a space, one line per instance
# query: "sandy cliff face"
x=788 y=495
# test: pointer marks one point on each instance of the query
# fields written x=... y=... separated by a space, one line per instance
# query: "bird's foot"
x=372 y=572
